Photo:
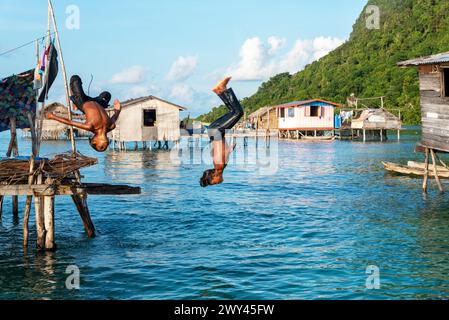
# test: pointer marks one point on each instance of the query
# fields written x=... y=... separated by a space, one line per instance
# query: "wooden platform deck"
x=97 y=189
x=45 y=179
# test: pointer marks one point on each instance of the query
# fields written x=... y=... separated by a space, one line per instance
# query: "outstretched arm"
x=117 y=110
x=79 y=125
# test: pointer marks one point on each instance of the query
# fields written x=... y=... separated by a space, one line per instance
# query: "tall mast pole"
x=64 y=73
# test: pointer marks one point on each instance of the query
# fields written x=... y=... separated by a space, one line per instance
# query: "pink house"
x=308 y=118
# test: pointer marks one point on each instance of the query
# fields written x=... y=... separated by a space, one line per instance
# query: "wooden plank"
x=430 y=81
x=65 y=190
x=435 y=145
x=435 y=123
x=437 y=132
x=430 y=94
x=108 y=189
x=442 y=109
x=437 y=138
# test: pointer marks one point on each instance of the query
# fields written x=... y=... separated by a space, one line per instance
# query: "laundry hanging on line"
x=17 y=100
x=48 y=71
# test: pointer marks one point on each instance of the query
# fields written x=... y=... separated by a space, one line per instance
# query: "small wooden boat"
x=323 y=138
x=415 y=169
x=422 y=165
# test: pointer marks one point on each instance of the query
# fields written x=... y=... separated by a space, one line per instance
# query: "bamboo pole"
x=435 y=171
x=64 y=74
x=29 y=199
x=26 y=219
x=85 y=215
x=426 y=172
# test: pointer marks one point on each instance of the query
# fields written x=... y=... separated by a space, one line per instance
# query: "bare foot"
x=221 y=86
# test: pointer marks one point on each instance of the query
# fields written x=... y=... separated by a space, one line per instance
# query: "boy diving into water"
x=97 y=120
x=220 y=149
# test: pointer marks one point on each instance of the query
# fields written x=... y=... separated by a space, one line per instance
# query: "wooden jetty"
x=45 y=179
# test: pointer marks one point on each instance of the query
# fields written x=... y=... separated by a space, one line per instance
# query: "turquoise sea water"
x=307 y=230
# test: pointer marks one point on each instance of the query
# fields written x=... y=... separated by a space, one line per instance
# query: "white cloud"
x=183 y=68
x=182 y=93
x=138 y=91
x=276 y=43
x=253 y=58
x=132 y=75
x=260 y=62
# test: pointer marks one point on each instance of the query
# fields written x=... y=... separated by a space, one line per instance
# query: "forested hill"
x=366 y=64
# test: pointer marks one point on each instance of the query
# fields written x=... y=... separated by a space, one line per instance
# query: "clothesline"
x=25 y=45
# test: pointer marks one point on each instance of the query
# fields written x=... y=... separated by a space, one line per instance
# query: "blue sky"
x=178 y=49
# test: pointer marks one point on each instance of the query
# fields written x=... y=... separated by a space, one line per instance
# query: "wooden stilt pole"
x=26 y=219
x=81 y=204
x=26 y=216
x=15 y=209
x=426 y=172
x=13 y=150
x=40 y=225
x=1 y=207
x=49 y=218
x=435 y=171
x=64 y=74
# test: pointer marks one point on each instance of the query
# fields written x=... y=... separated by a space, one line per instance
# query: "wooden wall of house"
x=301 y=121
x=269 y=120
x=434 y=108
x=130 y=125
x=167 y=122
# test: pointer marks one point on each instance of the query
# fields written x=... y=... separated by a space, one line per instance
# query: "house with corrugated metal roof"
x=147 y=119
x=306 y=119
x=434 y=91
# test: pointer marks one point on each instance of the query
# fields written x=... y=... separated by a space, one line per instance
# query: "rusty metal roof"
x=434 y=59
